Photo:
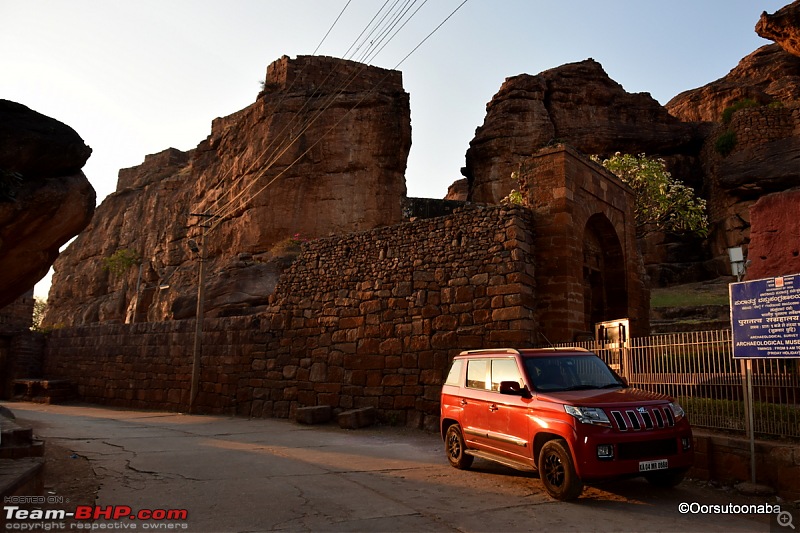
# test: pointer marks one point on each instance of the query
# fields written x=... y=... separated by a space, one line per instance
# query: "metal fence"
x=699 y=370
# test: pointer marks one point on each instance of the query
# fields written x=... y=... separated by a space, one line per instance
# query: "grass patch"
x=727 y=113
x=688 y=297
x=769 y=419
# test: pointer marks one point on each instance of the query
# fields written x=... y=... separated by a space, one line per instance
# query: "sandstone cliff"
x=577 y=104
x=45 y=199
x=322 y=150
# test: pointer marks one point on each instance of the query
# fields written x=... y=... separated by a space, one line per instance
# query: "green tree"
x=39 y=308
x=661 y=202
x=121 y=260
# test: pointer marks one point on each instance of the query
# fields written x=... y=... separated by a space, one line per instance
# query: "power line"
x=230 y=211
x=278 y=138
x=331 y=28
x=284 y=145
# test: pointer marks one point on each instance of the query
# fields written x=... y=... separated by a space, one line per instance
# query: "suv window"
x=477 y=372
x=505 y=370
x=454 y=375
x=560 y=373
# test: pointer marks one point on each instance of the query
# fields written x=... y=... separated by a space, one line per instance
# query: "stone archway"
x=604 y=277
x=587 y=265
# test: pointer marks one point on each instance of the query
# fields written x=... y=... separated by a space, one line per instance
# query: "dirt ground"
x=70 y=476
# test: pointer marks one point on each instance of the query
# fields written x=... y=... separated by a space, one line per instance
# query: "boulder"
x=357 y=418
x=783 y=27
x=37 y=146
x=318 y=414
x=45 y=199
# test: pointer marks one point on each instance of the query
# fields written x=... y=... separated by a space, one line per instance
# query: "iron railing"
x=699 y=370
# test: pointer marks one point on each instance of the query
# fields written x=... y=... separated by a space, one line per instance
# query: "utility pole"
x=200 y=250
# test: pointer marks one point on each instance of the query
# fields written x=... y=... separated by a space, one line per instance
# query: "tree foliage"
x=662 y=203
x=39 y=309
x=121 y=260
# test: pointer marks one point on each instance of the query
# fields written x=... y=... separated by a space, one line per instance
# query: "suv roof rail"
x=510 y=351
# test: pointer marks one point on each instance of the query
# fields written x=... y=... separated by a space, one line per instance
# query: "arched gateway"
x=587 y=266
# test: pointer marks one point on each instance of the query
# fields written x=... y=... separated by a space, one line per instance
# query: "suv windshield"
x=564 y=373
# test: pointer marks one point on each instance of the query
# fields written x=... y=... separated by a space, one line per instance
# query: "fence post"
x=750 y=420
x=747 y=415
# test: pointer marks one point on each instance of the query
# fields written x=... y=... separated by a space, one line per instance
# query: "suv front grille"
x=646 y=418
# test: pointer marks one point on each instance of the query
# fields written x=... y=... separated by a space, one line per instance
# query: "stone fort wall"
x=368 y=319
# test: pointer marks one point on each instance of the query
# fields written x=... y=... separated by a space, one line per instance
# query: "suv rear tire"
x=455 y=448
x=557 y=471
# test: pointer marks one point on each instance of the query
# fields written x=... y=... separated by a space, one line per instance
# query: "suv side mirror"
x=513 y=388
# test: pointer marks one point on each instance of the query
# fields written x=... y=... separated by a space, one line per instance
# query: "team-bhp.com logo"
x=158 y=518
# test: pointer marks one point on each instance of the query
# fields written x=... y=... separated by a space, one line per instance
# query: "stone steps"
x=44 y=390
x=21 y=460
x=17 y=442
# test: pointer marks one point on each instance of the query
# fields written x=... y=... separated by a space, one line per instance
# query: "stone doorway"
x=605 y=295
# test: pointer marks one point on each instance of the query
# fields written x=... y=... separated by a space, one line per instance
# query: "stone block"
x=357 y=418
x=318 y=414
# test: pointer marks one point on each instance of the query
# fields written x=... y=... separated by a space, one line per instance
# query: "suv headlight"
x=677 y=410
x=588 y=415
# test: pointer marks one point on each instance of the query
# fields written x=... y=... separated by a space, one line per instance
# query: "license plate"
x=647 y=466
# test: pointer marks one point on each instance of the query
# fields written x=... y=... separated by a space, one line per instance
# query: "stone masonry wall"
x=368 y=319
x=17 y=316
x=149 y=365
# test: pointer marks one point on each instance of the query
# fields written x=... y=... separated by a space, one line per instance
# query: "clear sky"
x=134 y=77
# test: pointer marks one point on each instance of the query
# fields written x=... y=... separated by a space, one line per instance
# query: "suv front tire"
x=557 y=471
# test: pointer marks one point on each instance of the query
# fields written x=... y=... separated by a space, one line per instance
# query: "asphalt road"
x=234 y=474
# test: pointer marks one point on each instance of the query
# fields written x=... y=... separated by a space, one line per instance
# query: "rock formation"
x=775 y=237
x=577 y=104
x=783 y=27
x=45 y=199
x=458 y=190
x=322 y=150
x=767 y=75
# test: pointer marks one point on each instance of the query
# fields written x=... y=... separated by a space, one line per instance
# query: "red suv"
x=563 y=412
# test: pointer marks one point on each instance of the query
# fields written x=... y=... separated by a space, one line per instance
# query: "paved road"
x=234 y=474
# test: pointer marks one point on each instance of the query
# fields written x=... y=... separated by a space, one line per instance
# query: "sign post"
x=765 y=320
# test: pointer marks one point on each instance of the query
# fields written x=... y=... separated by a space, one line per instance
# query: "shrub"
x=728 y=112
x=725 y=143
x=121 y=260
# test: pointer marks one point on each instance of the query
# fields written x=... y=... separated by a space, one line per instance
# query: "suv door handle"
x=463 y=402
x=493 y=408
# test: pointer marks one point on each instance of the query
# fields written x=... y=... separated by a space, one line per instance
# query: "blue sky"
x=136 y=77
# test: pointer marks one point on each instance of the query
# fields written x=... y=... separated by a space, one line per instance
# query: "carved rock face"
x=322 y=150
x=51 y=204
